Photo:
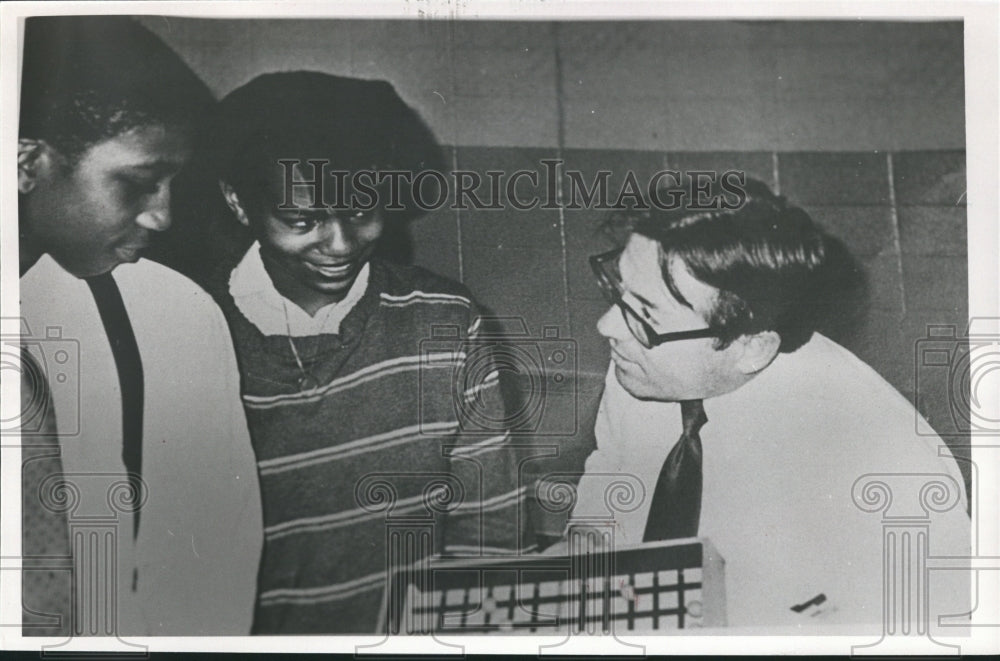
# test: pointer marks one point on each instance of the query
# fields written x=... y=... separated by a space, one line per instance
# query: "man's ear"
x=34 y=158
x=233 y=200
x=758 y=351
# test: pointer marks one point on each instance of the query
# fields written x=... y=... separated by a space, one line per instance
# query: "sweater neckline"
x=311 y=347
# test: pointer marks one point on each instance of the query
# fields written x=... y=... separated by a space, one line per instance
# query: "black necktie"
x=676 y=505
x=129 y=366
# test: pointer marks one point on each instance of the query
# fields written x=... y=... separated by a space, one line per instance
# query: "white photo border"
x=982 y=140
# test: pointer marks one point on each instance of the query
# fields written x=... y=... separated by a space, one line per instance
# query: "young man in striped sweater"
x=356 y=427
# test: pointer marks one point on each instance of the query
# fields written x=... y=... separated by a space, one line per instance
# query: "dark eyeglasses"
x=605 y=268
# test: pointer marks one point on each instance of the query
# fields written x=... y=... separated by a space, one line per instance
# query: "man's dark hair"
x=354 y=124
x=87 y=79
x=766 y=258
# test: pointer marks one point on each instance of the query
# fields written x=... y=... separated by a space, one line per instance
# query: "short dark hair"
x=765 y=257
x=90 y=78
x=355 y=124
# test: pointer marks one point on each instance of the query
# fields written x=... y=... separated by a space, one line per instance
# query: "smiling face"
x=673 y=371
x=101 y=210
x=312 y=255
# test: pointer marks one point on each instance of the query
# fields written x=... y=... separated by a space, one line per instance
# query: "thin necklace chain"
x=306 y=375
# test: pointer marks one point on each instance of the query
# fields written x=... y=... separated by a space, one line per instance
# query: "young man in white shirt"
x=161 y=496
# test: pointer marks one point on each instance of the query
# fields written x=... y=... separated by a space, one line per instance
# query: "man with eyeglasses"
x=743 y=425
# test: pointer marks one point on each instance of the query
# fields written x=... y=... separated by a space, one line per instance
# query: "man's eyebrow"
x=673 y=291
x=676 y=293
x=155 y=166
x=643 y=300
x=298 y=211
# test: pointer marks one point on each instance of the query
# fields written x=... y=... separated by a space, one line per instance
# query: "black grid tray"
x=653 y=587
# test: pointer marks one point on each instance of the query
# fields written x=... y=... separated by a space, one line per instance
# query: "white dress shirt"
x=195 y=561
x=273 y=314
x=781 y=455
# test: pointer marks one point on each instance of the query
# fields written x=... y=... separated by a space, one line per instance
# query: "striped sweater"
x=382 y=440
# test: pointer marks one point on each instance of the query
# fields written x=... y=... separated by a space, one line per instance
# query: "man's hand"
x=559 y=548
x=587 y=539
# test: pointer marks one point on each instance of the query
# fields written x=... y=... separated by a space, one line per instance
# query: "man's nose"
x=612 y=325
x=156 y=215
x=335 y=239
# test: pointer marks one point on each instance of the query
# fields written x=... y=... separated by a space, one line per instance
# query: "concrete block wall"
x=861 y=123
x=901 y=214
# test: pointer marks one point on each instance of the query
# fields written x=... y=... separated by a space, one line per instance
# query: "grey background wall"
x=862 y=123
x=669 y=85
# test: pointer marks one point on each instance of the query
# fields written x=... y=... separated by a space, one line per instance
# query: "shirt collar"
x=273 y=314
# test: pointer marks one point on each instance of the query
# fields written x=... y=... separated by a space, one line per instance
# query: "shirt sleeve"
x=491 y=516
x=612 y=463
x=619 y=474
x=600 y=463
x=243 y=527
x=832 y=563
x=201 y=558
x=886 y=549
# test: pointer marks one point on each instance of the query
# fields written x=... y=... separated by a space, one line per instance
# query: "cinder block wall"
x=901 y=214
x=862 y=123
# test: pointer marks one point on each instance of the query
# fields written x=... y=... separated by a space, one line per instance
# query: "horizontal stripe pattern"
x=492 y=443
x=402 y=506
x=476 y=551
x=334 y=592
x=473 y=332
x=509 y=499
x=443 y=359
x=346 y=450
x=341 y=518
x=490 y=381
x=417 y=296
x=386 y=383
